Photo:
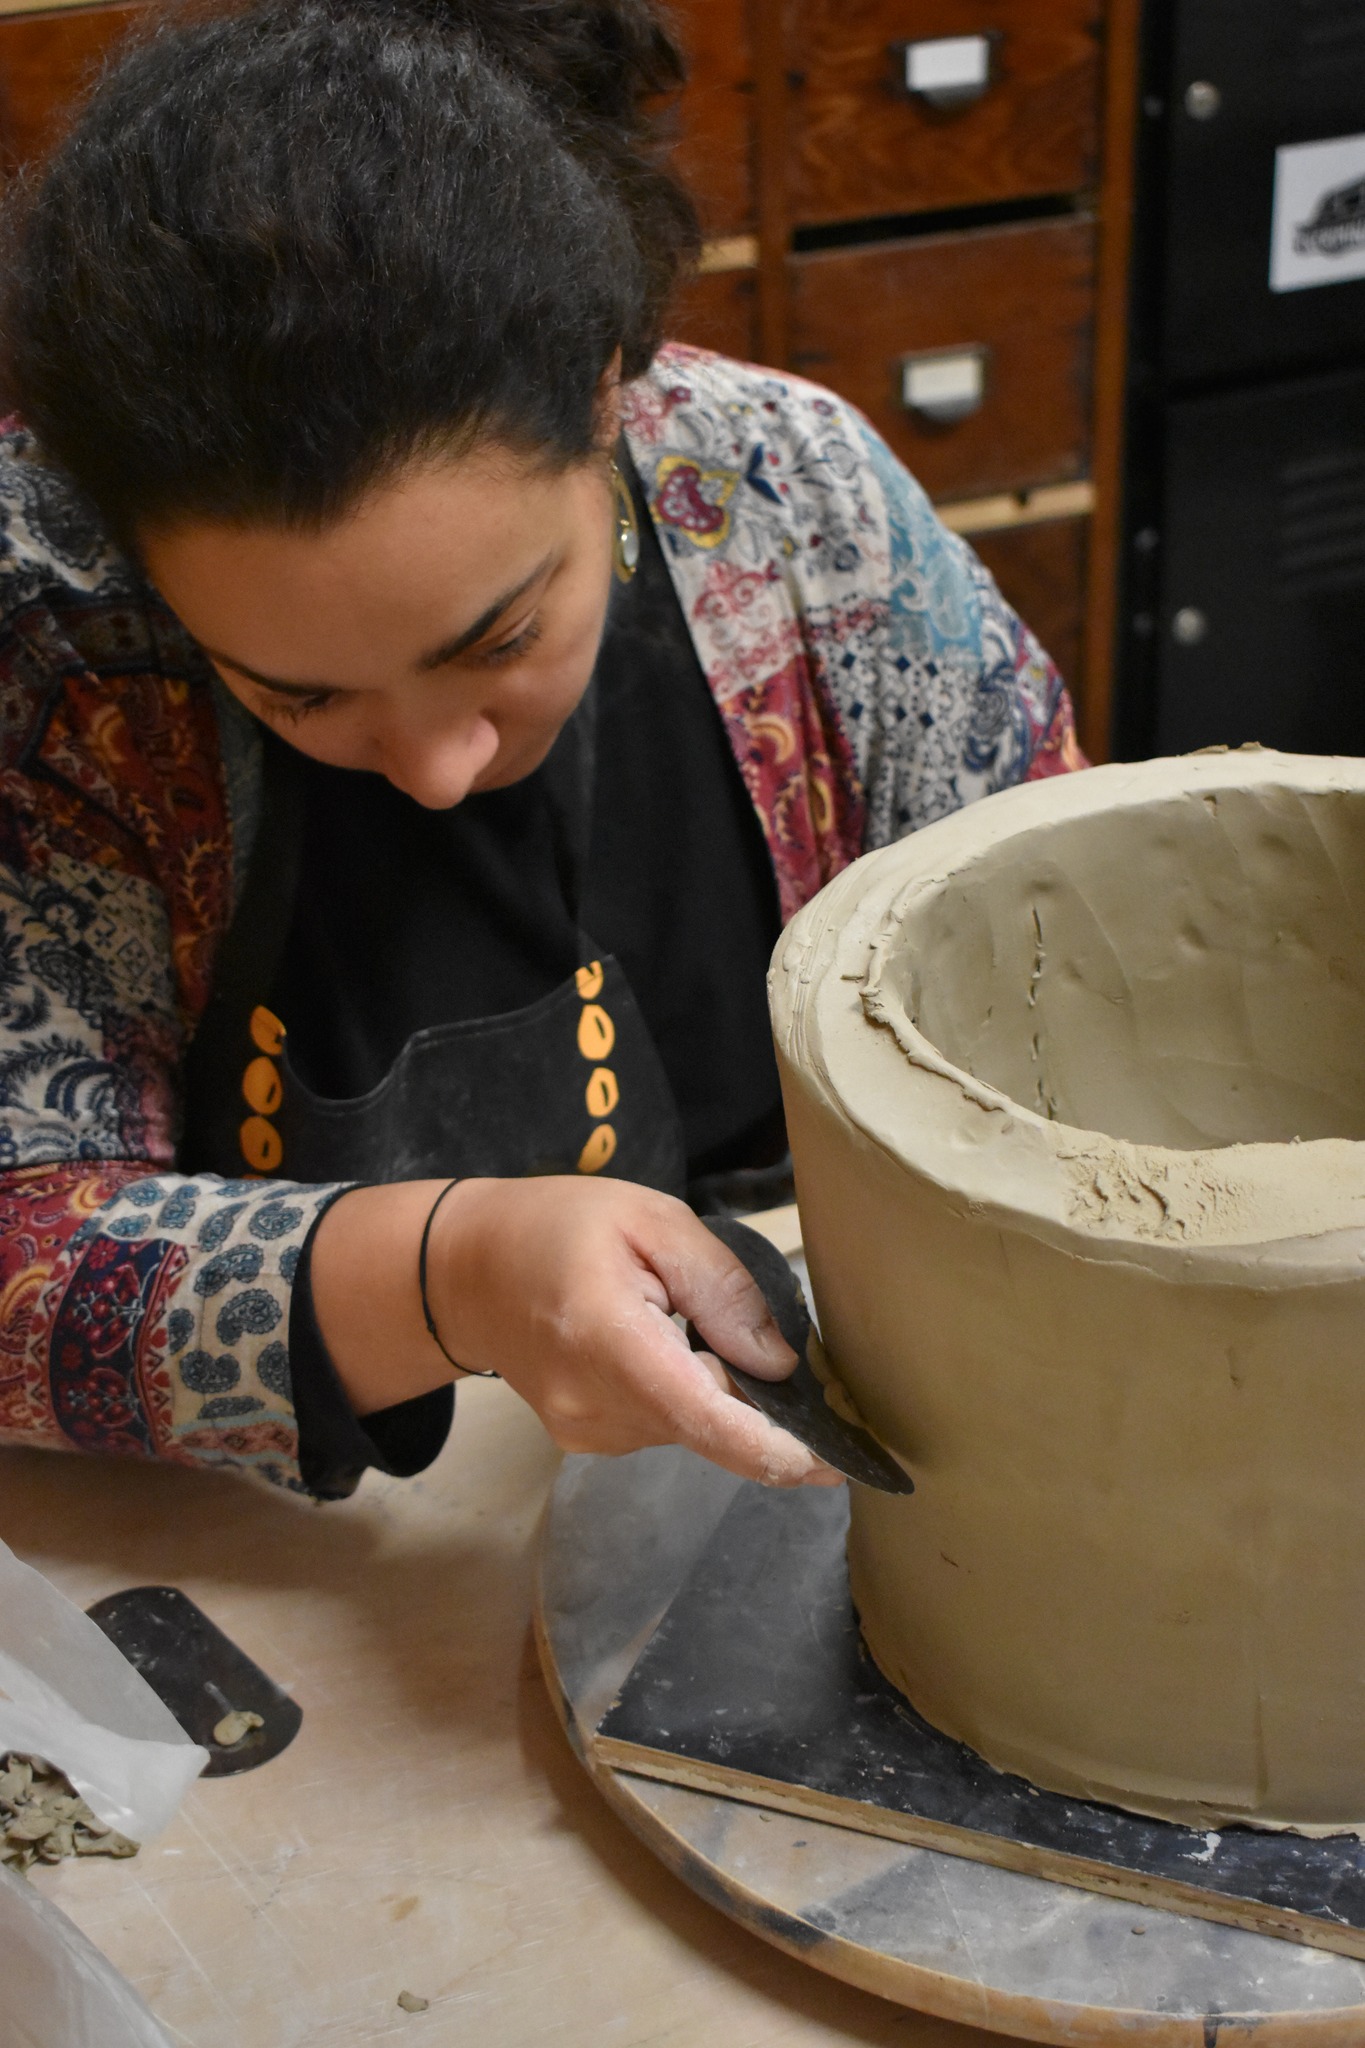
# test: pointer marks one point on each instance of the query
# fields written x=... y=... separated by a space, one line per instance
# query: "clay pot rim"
x=1298 y=1207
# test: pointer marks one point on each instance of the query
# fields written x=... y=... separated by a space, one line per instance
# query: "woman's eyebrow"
x=438 y=656
x=253 y=675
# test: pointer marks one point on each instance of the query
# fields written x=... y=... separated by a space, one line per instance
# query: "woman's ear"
x=607 y=407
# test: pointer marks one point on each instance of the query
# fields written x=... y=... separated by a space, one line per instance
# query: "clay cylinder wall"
x=1134 y=1563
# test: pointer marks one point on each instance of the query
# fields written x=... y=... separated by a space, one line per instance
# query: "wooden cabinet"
x=715 y=118
x=1018 y=298
x=719 y=310
x=864 y=143
x=48 y=62
x=937 y=185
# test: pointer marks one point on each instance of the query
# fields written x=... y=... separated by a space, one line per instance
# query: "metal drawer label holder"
x=944 y=385
x=947 y=71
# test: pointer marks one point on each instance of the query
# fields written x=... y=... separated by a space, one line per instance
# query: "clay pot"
x=1075 y=1081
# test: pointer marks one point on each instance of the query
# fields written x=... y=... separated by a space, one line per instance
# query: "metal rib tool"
x=798 y=1404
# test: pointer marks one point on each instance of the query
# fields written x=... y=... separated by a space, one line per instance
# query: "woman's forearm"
x=366 y=1298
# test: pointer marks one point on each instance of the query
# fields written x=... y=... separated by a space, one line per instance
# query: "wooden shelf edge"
x=727 y=252
x=13 y=10
x=1019 y=508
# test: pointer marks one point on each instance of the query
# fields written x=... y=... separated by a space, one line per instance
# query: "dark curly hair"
x=287 y=249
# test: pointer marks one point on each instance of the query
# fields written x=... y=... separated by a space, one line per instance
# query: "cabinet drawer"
x=714 y=116
x=1018 y=299
x=718 y=312
x=47 y=64
x=1041 y=572
x=862 y=144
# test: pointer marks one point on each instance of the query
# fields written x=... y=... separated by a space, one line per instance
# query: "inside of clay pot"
x=1189 y=972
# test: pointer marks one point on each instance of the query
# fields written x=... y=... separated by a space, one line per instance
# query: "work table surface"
x=428 y=1830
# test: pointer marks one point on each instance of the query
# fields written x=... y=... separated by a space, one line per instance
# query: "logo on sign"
x=1317 y=234
x=1338 y=224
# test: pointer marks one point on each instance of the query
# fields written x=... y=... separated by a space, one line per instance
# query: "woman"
x=399 y=652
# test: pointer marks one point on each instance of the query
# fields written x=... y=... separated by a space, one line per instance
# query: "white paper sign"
x=1317 y=233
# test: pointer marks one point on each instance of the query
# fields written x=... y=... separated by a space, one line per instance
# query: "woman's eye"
x=295 y=708
x=508 y=650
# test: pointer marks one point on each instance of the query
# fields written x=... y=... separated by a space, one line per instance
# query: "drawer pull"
x=944 y=385
x=947 y=71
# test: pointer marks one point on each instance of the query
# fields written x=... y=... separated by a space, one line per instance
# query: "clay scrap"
x=44 y=1819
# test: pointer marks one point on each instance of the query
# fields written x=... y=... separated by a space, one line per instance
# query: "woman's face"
x=439 y=634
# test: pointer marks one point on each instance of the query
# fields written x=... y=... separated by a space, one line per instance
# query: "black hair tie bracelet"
x=427 y=1316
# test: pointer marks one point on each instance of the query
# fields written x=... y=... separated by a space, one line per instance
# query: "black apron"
x=572 y=1083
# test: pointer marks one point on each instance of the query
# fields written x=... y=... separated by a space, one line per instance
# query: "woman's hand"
x=567 y=1288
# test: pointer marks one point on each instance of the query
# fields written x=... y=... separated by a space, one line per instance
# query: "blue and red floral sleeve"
x=142 y=1312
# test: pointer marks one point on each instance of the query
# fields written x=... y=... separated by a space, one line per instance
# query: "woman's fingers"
x=682 y=1396
x=713 y=1289
x=738 y=1437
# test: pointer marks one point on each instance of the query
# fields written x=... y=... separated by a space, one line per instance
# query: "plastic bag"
x=56 y=1989
x=76 y=1701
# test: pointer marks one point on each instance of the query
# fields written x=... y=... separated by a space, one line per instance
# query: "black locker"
x=1242 y=582
x=1264 y=620
x=1251 y=83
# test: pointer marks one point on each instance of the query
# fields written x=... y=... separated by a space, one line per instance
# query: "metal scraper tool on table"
x=797 y=1404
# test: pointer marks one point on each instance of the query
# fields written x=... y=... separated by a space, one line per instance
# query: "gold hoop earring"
x=625 y=530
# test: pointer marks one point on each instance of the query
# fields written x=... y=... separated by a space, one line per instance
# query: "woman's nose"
x=438 y=769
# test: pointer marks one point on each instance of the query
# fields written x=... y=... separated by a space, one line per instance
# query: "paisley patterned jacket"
x=870 y=678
